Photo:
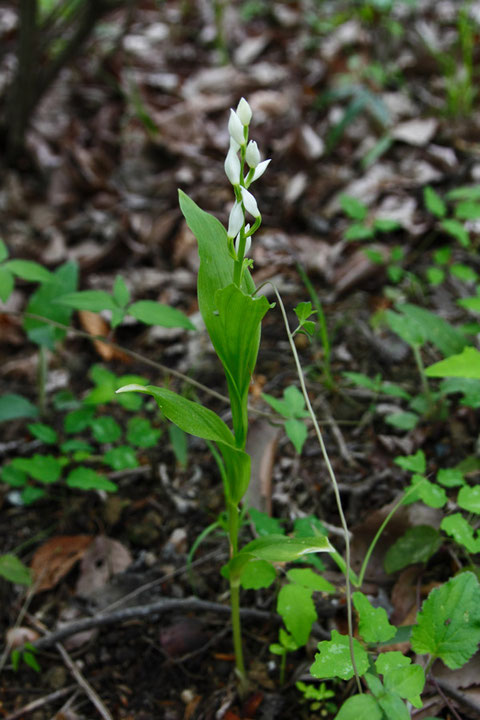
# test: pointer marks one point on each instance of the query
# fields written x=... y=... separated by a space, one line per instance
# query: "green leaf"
x=121 y=458
x=178 y=441
x=408 y=682
x=414 y=463
x=296 y=432
x=42 y=302
x=297 y=609
x=434 y=203
x=29 y=270
x=466 y=192
x=309 y=579
x=278 y=548
x=435 y=276
x=13 y=570
x=92 y=300
x=13 y=476
x=84 y=478
x=364 y=381
x=464 y=272
x=386 y=225
x=32 y=494
x=353 y=207
x=70 y=446
x=43 y=432
x=78 y=420
x=373 y=622
x=292 y=405
x=44 y=468
x=121 y=293
x=155 y=313
x=388 y=661
x=402 y=420
x=7 y=284
x=106 y=430
x=264 y=524
x=467 y=210
x=3 y=251
x=14 y=406
x=141 y=433
x=417 y=545
x=197 y=420
x=469 y=499
x=303 y=311
x=465 y=364
x=448 y=626
x=308 y=526
x=334 y=660
x=358 y=231
x=468 y=387
x=257 y=574
x=462 y=532
x=431 y=494
x=360 y=707
x=411 y=332
x=450 y=477
x=435 y=329
x=471 y=303
x=393 y=707
x=232 y=315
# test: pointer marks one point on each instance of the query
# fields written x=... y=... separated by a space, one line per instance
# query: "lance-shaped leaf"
x=197 y=420
x=233 y=310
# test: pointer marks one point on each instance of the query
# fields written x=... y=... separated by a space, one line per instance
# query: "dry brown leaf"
x=56 y=557
x=261 y=446
x=105 y=557
x=94 y=324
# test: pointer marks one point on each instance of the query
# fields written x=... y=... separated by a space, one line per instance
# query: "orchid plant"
x=233 y=311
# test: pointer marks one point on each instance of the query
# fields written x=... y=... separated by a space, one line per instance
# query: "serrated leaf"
x=373 y=622
x=297 y=609
x=462 y=532
x=13 y=570
x=29 y=270
x=303 y=311
x=414 y=463
x=155 y=313
x=309 y=579
x=434 y=203
x=386 y=662
x=448 y=626
x=417 y=545
x=469 y=499
x=334 y=659
x=360 y=707
x=257 y=574
x=264 y=524
x=465 y=365
x=408 y=682
x=84 y=478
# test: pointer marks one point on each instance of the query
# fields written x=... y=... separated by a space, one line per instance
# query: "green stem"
x=323 y=331
x=237 y=634
x=42 y=378
x=334 y=484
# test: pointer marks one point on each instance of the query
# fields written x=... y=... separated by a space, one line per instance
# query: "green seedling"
x=25 y=654
x=452 y=213
x=318 y=697
x=363 y=227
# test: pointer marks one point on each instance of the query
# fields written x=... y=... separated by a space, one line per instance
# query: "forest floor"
x=346 y=103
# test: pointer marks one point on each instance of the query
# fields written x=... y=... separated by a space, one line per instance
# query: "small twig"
x=445 y=689
x=83 y=683
x=342 y=445
x=40 y=702
x=144 y=611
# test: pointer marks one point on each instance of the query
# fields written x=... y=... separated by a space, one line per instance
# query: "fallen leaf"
x=94 y=324
x=105 y=557
x=416 y=132
x=55 y=558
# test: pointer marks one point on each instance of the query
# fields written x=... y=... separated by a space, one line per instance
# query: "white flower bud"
x=250 y=203
x=252 y=154
x=235 y=128
x=259 y=170
x=244 y=112
x=234 y=145
x=248 y=241
x=236 y=220
x=232 y=167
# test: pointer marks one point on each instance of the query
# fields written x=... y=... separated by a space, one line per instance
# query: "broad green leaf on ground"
x=450 y=477
x=402 y=420
x=44 y=468
x=121 y=458
x=141 y=433
x=411 y=331
x=360 y=707
x=295 y=605
x=43 y=302
x=79 y=420
x=155 y=313
x=408 y=682
x=257 y=574
x=297 y=432
x=106 y=430
x=393 y=707
x=430 y=493
x=334 y=660
x=13 y=406
x=84 y=478
x=469 y=499
x=310 y=579
x=414 y=463
x=462 y=532
x=264 y=524
x=468 y=387
x=373 y=622
x=448 y=626
x=435 y=329
x=465 y=364
x=386 y=662
x=13 y=476
x=417 y=546
x=13 y=570
x=43 y=432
